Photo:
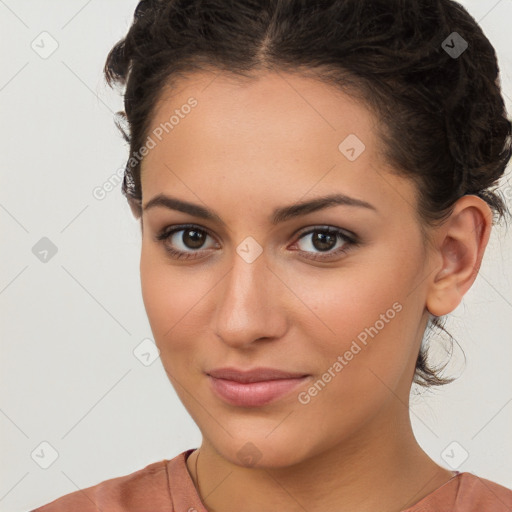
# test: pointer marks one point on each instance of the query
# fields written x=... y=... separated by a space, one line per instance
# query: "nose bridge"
x=247 y=305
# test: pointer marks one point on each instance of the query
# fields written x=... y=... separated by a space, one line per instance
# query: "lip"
x=253 y=388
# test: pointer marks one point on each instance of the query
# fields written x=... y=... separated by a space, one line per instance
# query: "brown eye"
x=184 y=242
x=325 y=243
x=193 y=238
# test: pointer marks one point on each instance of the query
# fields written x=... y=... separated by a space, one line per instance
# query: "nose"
x=248 y=307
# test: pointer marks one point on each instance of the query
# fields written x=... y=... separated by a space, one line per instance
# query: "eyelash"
x=351 y=241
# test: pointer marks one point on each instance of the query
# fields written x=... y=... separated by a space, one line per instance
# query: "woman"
x=314 y=182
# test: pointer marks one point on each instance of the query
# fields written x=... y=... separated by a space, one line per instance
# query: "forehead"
x=278 y=132
x=279 y=107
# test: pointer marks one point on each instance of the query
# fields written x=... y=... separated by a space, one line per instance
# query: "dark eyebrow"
x=279 y=214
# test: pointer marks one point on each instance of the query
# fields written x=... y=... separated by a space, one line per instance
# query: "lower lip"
x=253 y=394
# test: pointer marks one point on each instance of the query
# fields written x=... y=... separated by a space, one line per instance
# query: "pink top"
x=167 y=486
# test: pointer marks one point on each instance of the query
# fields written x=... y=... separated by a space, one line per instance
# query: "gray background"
x=69 y=376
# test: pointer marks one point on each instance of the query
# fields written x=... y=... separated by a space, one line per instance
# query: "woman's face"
x=250 y=289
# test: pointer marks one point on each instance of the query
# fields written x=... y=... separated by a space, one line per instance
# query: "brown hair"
x=443 y=118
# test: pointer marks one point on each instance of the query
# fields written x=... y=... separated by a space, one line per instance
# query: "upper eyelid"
x=326 y=227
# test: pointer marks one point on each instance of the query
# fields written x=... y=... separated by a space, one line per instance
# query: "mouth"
x=253 y=388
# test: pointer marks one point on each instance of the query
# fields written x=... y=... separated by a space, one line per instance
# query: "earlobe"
x=460 y=244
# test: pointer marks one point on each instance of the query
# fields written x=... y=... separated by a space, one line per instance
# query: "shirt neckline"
x=184 y=495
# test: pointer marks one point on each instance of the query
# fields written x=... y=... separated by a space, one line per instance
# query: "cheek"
x=178 y=305
x=365 y=314
x=169 y=301
x=342 y=302
x=169 y=295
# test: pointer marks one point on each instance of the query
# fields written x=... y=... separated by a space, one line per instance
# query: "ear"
x=459 y=246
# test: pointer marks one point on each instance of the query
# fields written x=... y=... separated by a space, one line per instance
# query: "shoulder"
x=477 y=493
x=467 y=493
x=135 y=492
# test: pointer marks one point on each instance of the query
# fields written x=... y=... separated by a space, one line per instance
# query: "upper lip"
x=253 y=375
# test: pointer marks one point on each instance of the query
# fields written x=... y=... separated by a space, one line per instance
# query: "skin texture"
x=245 y=149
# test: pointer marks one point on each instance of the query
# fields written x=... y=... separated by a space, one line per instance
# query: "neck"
x=383 y=458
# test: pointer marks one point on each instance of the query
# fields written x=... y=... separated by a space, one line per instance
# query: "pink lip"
x=253 y=388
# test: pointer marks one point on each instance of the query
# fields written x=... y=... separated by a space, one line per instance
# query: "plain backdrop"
x=73 y=395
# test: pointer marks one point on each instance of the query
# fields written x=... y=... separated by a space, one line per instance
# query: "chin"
x=262 y=453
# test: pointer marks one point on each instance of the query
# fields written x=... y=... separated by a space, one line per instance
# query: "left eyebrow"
x=319 y=203
x=279 y=215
